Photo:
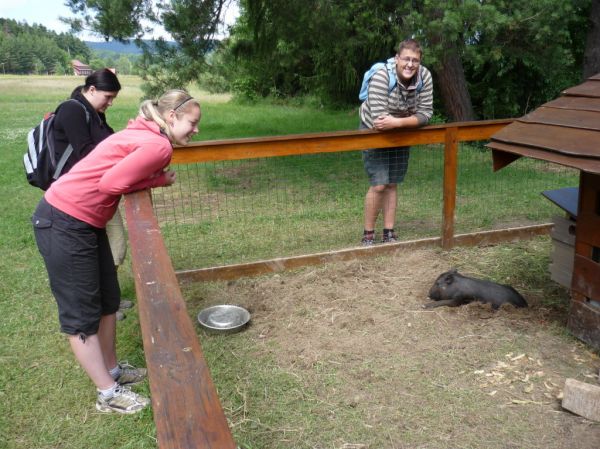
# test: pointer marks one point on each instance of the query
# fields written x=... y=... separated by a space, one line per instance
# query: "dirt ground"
x=443 y=378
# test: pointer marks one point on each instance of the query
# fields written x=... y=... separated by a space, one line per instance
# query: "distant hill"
x=114 y=46
x=130 y=48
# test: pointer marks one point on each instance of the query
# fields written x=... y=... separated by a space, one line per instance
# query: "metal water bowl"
x=224 y=319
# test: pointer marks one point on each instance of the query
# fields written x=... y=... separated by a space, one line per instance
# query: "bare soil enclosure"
x=462 y=377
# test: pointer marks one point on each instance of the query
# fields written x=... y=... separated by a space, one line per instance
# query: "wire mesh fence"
x=227 y=212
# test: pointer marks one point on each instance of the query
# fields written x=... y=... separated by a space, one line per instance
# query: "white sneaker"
x=131 y=375
x=123 y=401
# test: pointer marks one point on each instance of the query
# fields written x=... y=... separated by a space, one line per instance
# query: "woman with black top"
x=86 y=128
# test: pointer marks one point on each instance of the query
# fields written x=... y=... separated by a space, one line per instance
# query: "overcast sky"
x=47 y=12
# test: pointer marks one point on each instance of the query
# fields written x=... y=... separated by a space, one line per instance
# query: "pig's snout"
x=435 y=293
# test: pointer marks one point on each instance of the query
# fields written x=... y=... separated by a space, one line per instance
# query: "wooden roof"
x=565 y=131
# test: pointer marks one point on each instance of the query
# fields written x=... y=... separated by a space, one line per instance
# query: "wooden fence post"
x=450 y=176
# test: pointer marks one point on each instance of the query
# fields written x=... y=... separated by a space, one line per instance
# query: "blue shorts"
x=385 y=165
x=80 y=266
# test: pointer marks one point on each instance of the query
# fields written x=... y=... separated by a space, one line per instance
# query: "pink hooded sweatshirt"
x=127 y=161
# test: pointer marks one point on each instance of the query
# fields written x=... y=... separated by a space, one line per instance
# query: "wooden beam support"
x=450 y=178
x=187 y=411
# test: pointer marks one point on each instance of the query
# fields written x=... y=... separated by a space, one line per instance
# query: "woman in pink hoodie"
x=69 y=225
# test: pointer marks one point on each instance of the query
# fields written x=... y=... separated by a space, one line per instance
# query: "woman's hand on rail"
x=170 y=177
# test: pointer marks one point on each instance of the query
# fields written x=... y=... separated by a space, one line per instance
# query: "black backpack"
x=41 y=166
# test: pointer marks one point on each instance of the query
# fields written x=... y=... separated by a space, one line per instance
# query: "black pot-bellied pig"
x=453 y=289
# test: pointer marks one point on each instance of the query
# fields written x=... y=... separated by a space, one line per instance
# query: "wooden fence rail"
x=333 y=142
x=187 y=410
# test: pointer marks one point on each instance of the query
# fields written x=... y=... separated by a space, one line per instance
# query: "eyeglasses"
x=407 y=60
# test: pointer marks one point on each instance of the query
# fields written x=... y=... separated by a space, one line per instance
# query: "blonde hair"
x=177 y=100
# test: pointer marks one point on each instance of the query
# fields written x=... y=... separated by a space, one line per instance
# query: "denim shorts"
x=385 y=165
x=80 y=266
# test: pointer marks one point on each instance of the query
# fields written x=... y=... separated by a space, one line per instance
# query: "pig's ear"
x=453 y=271
x=449 y=279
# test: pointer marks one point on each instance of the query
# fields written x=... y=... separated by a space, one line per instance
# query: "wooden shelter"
x=566 y=131
x=80 y=69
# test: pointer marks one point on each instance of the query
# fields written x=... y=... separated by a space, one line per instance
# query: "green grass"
x=46 y=401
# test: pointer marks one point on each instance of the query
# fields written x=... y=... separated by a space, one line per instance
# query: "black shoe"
x=389 y=238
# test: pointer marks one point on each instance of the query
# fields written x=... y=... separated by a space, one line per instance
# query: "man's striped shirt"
x=402 y=101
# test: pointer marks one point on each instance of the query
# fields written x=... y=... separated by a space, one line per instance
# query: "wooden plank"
x=560 y=276
x=586 y=277
x=575 y=103
x=564 y=230
x=590 y=88
x=235 y=271
x=556 y=139
x=561 y=268
x=235 y=149
x=496 y=236
x=450 y=177
x=501 y=160
x=563 y=255
x=582 y=399
x=186 y=408
x=564 y=117
x=588 y=230
x=584 y=321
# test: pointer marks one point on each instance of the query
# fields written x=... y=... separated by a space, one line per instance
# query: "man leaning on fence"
x=408 y=105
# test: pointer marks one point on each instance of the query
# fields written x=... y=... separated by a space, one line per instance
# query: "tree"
x=444 y=31
x=508 y=52
x=490 y=58
x=97 y=63
x=123 y=65
x=192 y=23
x=116 y=19
x=34 y=49
x=591 y=59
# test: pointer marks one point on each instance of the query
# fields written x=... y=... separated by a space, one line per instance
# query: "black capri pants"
x=80 y=266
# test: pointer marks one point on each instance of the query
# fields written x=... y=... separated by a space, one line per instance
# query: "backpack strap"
x=420 y=80
x=62 y=161
x=390 y=66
